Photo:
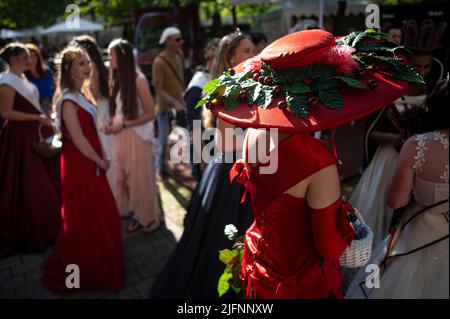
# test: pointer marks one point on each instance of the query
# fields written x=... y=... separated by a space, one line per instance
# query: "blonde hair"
x=221 y=63
x=224 y=52
x=64 y=82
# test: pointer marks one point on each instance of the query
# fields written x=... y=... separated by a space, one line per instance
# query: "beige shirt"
x=161 y=71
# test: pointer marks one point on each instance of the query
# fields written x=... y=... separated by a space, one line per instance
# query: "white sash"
x=80 y=100
x=144 y=131
x=22 y=86
x=421 y=229
x=199 y=79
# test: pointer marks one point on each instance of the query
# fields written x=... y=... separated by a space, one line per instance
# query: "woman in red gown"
x=29 y=184
x=300 y=229
x=90 y=236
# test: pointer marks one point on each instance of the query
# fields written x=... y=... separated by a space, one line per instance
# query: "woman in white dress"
x=388 y=133
x=414 y=260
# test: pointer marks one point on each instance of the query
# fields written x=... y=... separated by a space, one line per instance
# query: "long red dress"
x=292 y=250
x=91 y=235
x=29 y=187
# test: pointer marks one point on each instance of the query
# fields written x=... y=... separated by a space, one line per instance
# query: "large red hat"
x=310 y=81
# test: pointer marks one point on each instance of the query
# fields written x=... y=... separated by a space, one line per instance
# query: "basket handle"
x=41 y=138
x=359 y=215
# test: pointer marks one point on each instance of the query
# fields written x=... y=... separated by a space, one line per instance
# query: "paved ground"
x=145 y=255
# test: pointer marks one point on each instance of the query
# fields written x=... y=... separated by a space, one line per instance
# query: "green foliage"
x=331 y=98
x=27 y=14
x=297 y=85
x=351 y=82
x=232 y=260
x=298 y=105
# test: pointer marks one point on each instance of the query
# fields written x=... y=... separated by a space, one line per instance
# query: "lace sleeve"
x=421 y=148
x=444 y=142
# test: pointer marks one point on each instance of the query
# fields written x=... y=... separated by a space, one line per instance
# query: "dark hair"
x=424 y=38
x=89 y=44
x=123 y=78
x=12 y=50
x=40 y=60
x=391 y=25
x=438 y=103
x=257 y=37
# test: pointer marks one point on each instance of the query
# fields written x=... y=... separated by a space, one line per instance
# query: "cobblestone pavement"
x=145 y=255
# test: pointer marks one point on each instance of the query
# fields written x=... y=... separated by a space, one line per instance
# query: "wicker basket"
x=45 y=148
x=360 y=250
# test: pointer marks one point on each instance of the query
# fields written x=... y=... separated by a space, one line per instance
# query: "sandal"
x=133 y=226
x=153 y=226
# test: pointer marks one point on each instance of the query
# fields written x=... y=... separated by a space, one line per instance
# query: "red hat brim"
x=297 y=50
x=357 y=103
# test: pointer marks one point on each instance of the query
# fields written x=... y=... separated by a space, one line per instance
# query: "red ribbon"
x=239 y=173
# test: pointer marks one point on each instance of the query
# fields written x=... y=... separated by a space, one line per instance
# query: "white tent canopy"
x=13 y=34
x=63 y=27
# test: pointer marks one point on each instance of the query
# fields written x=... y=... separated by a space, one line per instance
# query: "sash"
x=82 y=102
x=23 y=87
x=420 y=230
x=199 y=79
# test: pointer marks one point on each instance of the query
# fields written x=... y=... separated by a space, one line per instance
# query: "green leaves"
x=351 y=82
x=211 y=86
x=331 y=99
x=225 y=256
x=201 y=102
x=232 y=259
x=298 y=105
x=257 y=91
x=224 y=282
x=312 y=71
x=231 y=103
x=298 y=85
x=300 y=88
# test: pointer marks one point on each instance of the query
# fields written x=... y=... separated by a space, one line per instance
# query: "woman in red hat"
x=304 y=82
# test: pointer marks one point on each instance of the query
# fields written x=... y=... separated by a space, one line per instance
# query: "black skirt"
x=194 y=269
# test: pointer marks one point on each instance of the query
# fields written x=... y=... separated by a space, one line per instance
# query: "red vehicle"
x=150 y=23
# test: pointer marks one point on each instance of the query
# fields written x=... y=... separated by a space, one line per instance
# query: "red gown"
x=29 y=187
x=292 y=250
x=91 y=235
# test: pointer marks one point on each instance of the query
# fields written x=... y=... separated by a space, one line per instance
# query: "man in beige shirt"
x=168 y=78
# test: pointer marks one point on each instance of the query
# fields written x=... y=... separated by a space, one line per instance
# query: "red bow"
x=239 y=173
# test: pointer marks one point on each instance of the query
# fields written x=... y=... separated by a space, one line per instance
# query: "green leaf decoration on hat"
x=298 y=104
x=297 y=86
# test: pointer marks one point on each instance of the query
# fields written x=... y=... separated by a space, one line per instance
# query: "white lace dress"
x=417 y=265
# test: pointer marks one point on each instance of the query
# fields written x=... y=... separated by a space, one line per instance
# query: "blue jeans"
x=163 y=133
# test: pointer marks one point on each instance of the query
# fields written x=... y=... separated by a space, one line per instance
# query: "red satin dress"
x=292 y=250
x=91 y=234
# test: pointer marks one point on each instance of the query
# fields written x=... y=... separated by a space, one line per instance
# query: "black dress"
x=194 y=269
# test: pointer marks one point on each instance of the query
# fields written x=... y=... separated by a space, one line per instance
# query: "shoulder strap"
x=173 y=71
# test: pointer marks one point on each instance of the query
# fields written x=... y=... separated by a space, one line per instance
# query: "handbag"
x=360 y=250
x=49 y=147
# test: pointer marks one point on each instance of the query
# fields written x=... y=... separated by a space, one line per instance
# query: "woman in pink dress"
x=29 y=187
x=132 y=114
x=91 y=236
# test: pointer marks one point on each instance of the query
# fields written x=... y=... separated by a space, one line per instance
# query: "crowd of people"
x=115 y=140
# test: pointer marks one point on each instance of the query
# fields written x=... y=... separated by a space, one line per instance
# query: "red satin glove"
x=331 y=230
